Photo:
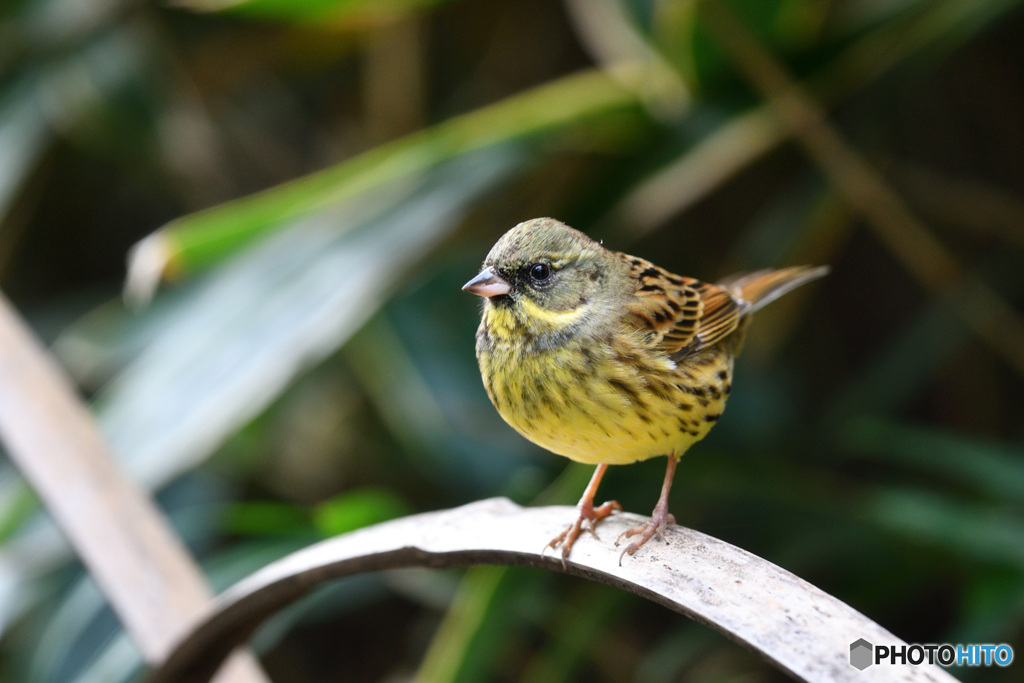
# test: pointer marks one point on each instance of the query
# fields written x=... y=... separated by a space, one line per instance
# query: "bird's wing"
x=680 y=315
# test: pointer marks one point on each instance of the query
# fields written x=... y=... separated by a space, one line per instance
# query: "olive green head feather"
x=551 y=266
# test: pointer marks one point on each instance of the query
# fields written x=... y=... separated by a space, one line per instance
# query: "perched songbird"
x=606 y=358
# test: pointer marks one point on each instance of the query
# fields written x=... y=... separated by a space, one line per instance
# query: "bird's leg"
x=587 y=513
x=660 y=518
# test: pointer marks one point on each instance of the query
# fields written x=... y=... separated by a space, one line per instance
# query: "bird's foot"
x=660 y=519
x=588 y=513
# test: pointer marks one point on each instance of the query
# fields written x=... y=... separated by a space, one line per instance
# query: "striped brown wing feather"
x=680 y=314
x=722 y=313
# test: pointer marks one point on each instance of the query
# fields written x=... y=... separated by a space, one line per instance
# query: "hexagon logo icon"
x=861 y=652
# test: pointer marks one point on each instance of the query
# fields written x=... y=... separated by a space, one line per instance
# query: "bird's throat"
x=547 y=320
x=525 y=321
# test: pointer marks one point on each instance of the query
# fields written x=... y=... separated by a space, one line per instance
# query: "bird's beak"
x=487 y=283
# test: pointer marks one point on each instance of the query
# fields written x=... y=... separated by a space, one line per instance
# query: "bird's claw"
x=656 y=526
x=587 y=514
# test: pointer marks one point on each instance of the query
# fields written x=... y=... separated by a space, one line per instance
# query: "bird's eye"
x=540 y=271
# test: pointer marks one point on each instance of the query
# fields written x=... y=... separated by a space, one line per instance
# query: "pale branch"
x=143 y=568
x=794 y=625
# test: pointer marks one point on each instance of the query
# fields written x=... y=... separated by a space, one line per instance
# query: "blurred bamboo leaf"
x=195 y=241
x=909 y=359
x=743 y=137
x=428 y=408
x=320 y=12
x=950 y=526
x=574 y=629
x=280 y=307
x=993 y=608
x=673 y=652
x=92 y=648
x=997 y=470
x=24 y=136
x=57 y=97
x=83 y=635
x=477 y=627
x=614 y=38
x=266 y=518
x=96 y=346
x=83 y=641
x=17 y=503
x=396 y=387
x=683 y=37
x=358 y=508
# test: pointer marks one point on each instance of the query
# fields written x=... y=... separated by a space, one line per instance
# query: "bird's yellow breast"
x=596 y=401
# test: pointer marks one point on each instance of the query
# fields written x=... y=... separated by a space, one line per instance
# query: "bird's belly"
x=603 y=410
x=613 y=438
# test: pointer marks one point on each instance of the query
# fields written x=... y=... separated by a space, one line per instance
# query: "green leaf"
x=265 y=518
x=951 y=526
x=357 y=509
x=24 y=137
x=990 y=467
x=336 y=13
x=201 y=239
x=254 y=324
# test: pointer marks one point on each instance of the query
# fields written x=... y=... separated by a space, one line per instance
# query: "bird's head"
x=546 y=277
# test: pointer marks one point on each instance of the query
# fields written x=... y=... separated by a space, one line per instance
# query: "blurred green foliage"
x=327 y=175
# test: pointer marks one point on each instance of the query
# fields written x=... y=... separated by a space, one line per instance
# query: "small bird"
x=606 y=358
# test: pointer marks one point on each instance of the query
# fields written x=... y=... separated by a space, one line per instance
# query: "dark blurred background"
x=298 y=359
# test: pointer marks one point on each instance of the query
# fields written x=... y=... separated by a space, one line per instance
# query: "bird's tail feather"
x=760 y=288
